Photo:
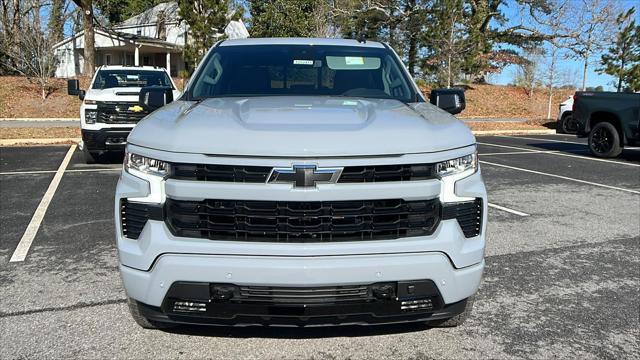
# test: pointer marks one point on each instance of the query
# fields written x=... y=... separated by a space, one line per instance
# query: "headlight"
x=145 y=165
x=90 y=116
x=90 y=102
x=459 y=165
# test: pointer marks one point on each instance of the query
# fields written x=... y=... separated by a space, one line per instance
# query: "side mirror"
x=449 y=100
x=73 y=87
x=155 y=97
x=81 y=94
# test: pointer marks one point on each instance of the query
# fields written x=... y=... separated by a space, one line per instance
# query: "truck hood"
x=124 y=94
x=299 y=126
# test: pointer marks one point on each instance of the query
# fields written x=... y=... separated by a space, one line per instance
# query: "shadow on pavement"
x=632 y=155
x=296 y=332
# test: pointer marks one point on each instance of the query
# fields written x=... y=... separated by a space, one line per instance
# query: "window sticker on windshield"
x=354 y=60
x=132 y=77
x=302 y=62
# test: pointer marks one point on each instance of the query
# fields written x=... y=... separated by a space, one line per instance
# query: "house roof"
x=150 y=16
x=125 y=37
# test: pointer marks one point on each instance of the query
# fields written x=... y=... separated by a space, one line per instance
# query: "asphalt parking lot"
x=562 y=277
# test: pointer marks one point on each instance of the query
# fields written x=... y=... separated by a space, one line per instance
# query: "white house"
x=154 y=37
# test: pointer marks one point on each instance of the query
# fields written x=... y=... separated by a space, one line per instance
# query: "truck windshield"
x=305 y=70
x=111 y=78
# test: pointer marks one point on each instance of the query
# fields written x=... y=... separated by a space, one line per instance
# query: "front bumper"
x=151 y=264
x=154 y=288
x=107 y=139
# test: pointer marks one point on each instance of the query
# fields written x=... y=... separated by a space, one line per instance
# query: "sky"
x=568 y=68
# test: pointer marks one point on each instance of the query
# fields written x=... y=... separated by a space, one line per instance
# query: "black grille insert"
x=134 y=216
x=279 y=221
x=468 y=214
x=119 y=112
x=260 y=174
x=329 y=294
x=225 y=173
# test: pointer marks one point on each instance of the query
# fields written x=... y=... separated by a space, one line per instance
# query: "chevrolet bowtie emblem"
x=136 y=108
x=304 y=175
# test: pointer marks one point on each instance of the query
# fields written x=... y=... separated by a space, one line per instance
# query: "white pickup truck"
x=110 y=106
x=301 y=182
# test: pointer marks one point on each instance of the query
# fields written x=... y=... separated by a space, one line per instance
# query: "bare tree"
x=32 y=55
x=527 y=73
x=596 y=24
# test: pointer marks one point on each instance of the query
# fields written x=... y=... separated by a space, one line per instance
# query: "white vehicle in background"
x=566 y=122
x=110 y=106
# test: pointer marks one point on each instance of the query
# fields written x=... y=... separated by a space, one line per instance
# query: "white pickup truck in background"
x=110 y=107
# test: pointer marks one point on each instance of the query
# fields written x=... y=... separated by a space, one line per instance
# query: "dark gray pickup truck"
x=610 y=120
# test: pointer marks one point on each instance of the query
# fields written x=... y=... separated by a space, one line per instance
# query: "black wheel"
x=89 y=158
x=604 y=140
x=458 y=319
x=136 y=314
x=569 y=124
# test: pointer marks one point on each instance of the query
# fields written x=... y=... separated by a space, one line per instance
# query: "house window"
x=138 y=31
x=146 y=61
x=107 y=59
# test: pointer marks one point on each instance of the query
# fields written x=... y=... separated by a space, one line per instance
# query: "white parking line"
x=562 y=154
x=516 y=212
x=55 y=171
x=562 y=177
x=560 y=141
x=549 y=140
x=32 y=229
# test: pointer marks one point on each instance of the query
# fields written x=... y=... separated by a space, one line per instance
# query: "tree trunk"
x=413 y=54
x=56 y=20
x=584 y=73
x=89 y=36
x=552 y=70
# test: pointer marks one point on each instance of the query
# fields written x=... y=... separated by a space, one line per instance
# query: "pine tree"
x=622 y=59
x=207 y=20
x=283 y=18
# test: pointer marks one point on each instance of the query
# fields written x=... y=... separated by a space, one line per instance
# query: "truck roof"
x=131 y=67
x=301 y=41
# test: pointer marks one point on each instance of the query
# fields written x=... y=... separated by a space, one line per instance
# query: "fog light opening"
x=414 y=305
x=189 y=306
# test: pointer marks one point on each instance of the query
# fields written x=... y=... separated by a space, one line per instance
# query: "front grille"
x=224 y=173
x=302 y=295
x=119 y=113
x=279 y=221
x=355 y=174
x=260 y=174
x=468 y=214
x=134 y=216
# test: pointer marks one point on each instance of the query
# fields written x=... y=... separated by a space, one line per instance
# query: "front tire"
x=458 y=319
x=88 y=157
x=604 y=140
x=136 y=314
x=568 y=124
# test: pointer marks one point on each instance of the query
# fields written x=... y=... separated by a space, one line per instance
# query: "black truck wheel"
x=604 y=140
x=568 y=124
x=89 y=158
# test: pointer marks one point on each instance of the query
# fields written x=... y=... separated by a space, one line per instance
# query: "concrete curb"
x=513 y=132
x=11 y=142
x=39 y=119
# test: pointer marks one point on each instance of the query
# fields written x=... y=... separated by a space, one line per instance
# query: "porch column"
x=136 y=56
x=169 y=63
